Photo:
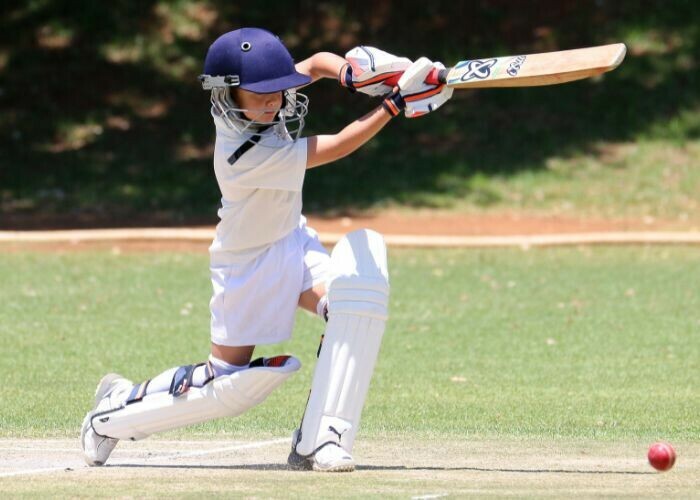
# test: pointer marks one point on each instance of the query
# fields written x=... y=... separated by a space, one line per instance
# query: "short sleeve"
x=265 y=167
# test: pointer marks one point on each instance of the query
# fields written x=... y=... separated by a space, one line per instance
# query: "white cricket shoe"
x=109 y=394
x=331 y=458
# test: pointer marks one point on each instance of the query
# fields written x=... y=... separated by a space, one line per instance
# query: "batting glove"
x=368 y=68
x=421 y=98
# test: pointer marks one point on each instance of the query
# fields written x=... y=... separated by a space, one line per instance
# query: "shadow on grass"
x=284 y=467
x=486 y=469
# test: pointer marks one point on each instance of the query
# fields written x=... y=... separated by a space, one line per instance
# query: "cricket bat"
x=530 y=70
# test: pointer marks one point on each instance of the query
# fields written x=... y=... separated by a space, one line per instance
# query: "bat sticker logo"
x=515 y=65
x=476 y=69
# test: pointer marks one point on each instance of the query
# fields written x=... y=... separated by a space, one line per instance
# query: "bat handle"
x=435 y=77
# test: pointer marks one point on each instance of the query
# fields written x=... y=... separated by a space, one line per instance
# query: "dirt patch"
x=390 y=223
x=408 y=468
x=503 y=224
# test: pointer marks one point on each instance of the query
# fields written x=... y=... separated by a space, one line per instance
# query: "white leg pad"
x=358 y=298
x=226 y=396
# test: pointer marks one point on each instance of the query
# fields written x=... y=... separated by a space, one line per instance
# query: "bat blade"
x=548 y=68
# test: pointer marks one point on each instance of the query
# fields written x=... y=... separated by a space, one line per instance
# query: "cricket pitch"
x=392 y=467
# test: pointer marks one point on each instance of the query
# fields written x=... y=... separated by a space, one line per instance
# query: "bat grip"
x=435 y=77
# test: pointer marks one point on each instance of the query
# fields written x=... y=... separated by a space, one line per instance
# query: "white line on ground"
x=35 y=471
x=247 y=446
x=166 y=456
x=47 y=450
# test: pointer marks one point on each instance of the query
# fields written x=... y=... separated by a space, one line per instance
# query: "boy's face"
x=259 y=107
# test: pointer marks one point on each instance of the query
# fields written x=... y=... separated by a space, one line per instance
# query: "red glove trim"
x=379 y=79
x=424 y=95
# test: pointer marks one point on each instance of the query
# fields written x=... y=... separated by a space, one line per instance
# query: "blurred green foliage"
x=103 y=118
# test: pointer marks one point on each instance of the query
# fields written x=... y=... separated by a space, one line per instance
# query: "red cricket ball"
x=661 y=456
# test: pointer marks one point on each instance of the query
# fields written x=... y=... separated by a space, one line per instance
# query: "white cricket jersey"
x=260 y=191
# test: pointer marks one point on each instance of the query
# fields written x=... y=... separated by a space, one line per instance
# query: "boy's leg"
x=358 y=293
x=176 y=398
x=224 y=360
x=312 y=298
x=114 y=390
x=233 y=355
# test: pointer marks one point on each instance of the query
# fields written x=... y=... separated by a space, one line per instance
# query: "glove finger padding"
x=371 y=67
x=422 y=98
x=414 y=77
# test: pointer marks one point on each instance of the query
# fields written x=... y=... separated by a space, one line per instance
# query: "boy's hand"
x=422 y=98
x=413 y=95
x=368 y=68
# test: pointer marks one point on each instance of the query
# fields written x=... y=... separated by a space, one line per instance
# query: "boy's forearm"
x=323 y=149
x=361 y=130
x=321 y=65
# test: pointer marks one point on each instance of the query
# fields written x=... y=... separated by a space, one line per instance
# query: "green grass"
x=598 y=342
x=643 y=181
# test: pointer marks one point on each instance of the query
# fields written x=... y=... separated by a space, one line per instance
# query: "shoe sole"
x=102 y=388
x=296 y=462
x=335 y=468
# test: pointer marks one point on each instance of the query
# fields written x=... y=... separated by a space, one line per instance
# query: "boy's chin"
x=264 y=118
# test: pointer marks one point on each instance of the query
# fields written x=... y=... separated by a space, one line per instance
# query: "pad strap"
x=137 y=392
x=182 y=380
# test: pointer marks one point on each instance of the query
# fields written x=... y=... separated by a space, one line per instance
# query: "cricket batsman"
x=265 y=261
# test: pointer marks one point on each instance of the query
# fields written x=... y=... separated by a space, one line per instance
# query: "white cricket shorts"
x=255 y=302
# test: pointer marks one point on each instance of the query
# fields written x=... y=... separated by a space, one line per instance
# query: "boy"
x=265 y=261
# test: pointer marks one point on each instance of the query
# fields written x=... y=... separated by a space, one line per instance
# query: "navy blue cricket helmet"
x=253 y=59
